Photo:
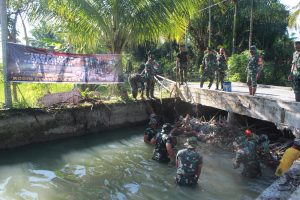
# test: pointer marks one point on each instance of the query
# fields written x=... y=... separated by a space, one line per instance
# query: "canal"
x=116 y=165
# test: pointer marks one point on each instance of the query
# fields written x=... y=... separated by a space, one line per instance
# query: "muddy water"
x=115 y=165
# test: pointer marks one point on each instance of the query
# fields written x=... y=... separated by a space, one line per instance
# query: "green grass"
x=29 y=93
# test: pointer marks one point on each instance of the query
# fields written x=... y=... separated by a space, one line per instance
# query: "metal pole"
x=209 y=24
x=251 y=24
x=7 y=89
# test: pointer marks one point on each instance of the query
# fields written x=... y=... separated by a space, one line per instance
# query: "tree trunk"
x=25 y=30
x=251 y=24
x=3 y=19
x=234 y=28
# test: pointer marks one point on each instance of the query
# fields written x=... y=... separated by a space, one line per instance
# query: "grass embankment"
x=29 y=93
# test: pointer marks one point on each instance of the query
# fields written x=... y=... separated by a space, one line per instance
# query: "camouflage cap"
x=191 y=142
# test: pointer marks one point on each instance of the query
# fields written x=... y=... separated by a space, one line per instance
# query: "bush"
x=237 y=65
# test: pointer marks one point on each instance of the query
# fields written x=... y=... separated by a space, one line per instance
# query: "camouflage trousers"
x=251 y=79
x=220 y=76
x=296 y=87
x=150 y=83
x=160 y=157
x=207 y=74
x=135 y=86
x=252 y=169
x=183 y=72
x=186 y=180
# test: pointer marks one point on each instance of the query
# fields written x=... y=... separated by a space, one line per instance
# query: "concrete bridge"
x=271 y=103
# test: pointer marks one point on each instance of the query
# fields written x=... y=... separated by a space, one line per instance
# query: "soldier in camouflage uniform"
x=222 y=67
x=246 y=155
x=253 y=69
x=164 y=145
x=209 y=66
x=151 y=131
x=295 y=71
x=189 y=164
x=149 y=73
x=136 y=81
x=182 y=64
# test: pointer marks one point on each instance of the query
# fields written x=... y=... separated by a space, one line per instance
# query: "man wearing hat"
x=295 y=71
x=189 y=164
x=209 y=66
x=151 y=131
x=288 y=158
x=246 y=155
x=164 y=144
x=149 y=73
x=253 y=68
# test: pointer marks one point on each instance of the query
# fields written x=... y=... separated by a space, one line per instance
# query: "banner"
x=29 y=64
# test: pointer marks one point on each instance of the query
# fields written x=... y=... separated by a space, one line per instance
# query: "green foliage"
x=237 y=64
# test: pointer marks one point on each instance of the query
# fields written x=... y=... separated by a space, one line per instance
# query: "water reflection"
x=115 y=165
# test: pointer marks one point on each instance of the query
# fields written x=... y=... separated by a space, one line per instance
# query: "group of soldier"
x=250 y=148
x=145 y=74
x=214 y=66
x=188 y=161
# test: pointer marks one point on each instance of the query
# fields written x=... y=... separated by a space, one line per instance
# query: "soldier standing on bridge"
x=150 y=71
x=222 y=67
x=295 y=71
x=182 y=64
x=253 y=69
x=209 y=66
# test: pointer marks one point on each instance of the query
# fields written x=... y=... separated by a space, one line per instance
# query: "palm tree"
x=295 y=16
x=117 y=23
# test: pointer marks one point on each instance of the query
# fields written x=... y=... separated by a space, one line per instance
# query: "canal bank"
x=22 y=127
x=26 y=126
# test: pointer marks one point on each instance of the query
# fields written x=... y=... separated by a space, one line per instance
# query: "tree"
x=116 y=23
x=294 y=16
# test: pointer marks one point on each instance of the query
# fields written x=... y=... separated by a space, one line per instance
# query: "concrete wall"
x=284 y=188
x=20 y=127
x=283 y=114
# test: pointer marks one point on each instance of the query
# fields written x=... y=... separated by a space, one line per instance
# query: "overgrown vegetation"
x=156 y=26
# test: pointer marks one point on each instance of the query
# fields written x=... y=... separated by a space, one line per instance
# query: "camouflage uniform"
x=296 y=75
x=149 y=77
x=209 y=66
x=136 y=81
x=188 y=162
x=183 y=61
x=247 y=156
x=150 y=132
x=220 y=73
x=252 y=70
x=163 y=138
